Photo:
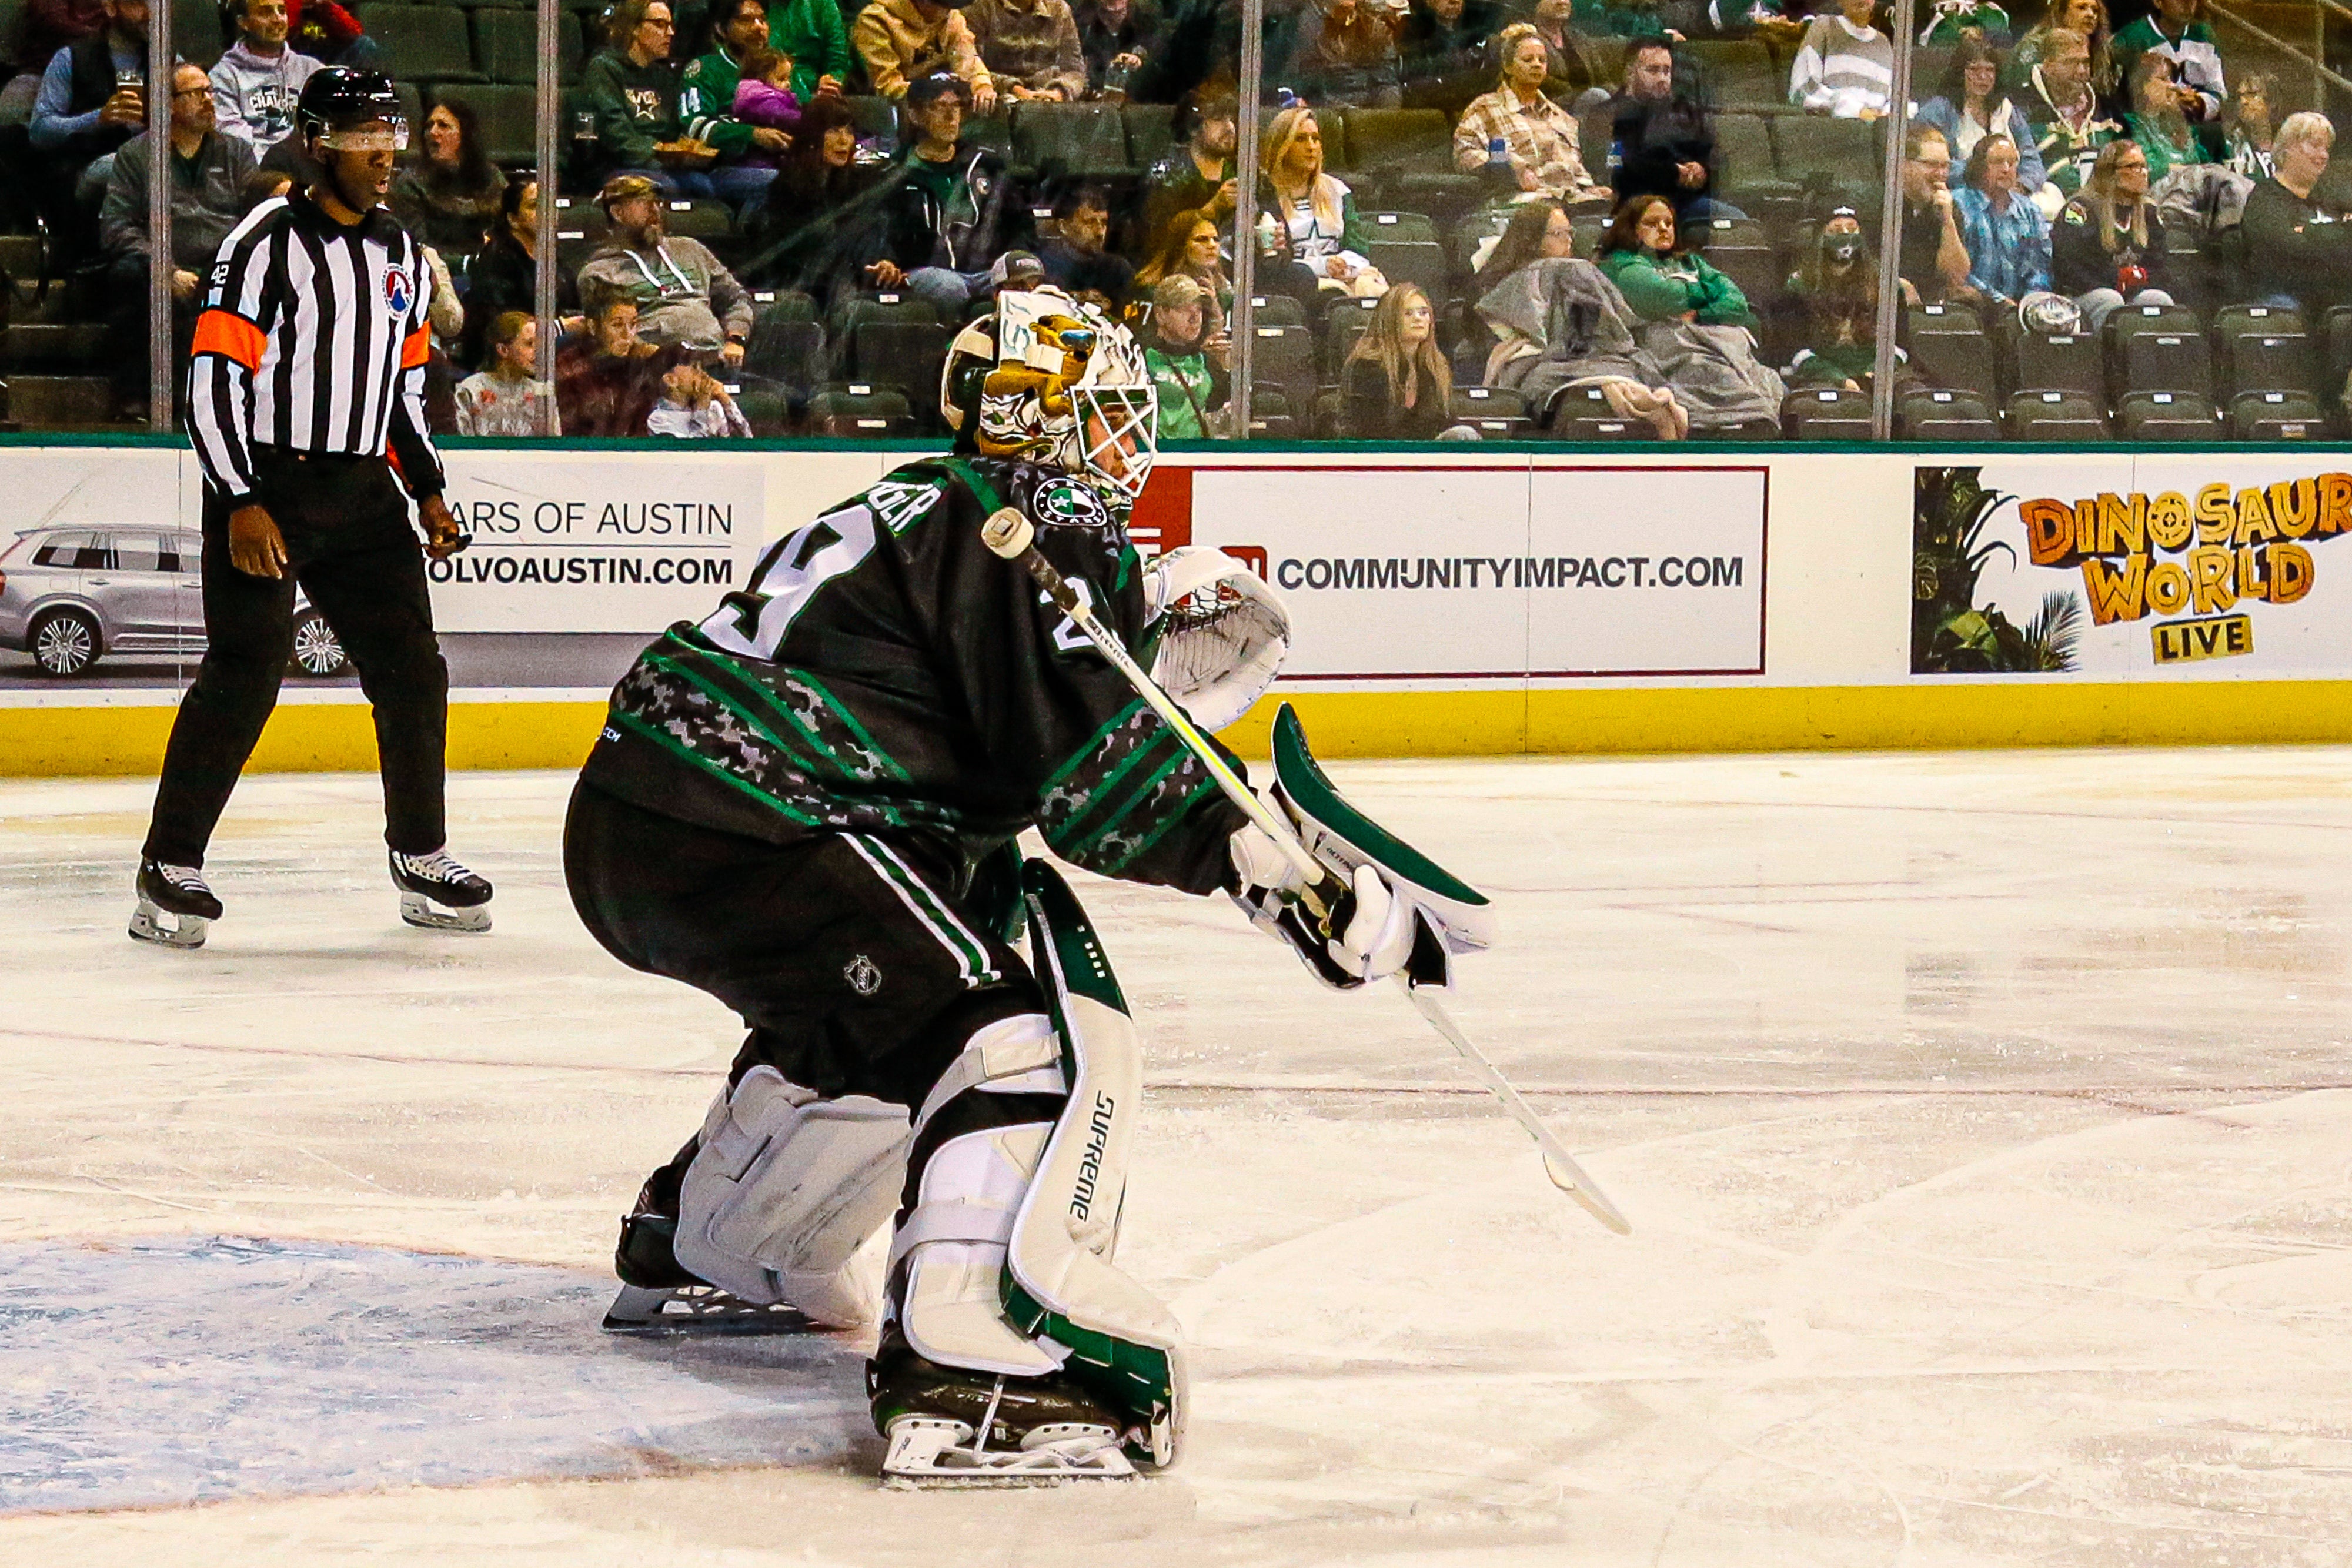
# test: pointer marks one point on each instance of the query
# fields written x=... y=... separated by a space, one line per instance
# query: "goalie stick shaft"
x=1011 y=536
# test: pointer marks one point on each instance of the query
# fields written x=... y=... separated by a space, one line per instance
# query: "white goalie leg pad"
x=954 y=1241
x=787 y=1188
x=1062 y=1287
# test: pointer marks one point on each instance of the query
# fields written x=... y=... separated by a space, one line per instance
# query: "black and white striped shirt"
x=312 y=339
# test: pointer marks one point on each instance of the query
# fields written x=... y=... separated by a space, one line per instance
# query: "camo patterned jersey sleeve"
x=882 y=671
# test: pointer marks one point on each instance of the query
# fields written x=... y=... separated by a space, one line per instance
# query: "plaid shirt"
x=2009 y=253
x=1540 y=136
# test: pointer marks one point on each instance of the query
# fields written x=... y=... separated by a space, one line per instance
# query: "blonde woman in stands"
x=1845 y=67
x=2108 y=246
x=1398 y=386
x=1316 y=211
x=1528 y=139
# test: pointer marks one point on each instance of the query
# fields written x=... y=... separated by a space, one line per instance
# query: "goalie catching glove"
x=1386 y=908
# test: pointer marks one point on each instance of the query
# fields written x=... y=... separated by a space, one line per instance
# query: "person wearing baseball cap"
x=685 y=296
x=904 y=41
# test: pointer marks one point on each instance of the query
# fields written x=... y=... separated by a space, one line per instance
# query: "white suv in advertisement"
x=73 y=596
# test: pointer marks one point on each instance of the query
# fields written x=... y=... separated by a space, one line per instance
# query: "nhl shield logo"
x=864 y=977
x=396 y=290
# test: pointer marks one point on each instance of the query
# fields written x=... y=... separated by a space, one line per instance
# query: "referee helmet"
x=346 y=107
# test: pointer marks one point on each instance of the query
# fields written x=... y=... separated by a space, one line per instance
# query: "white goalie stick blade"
x=939 y=1453
x=1558 y=1164
x=699 y=1310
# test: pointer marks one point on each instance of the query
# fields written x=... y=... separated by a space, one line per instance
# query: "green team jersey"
x=706 y=102
x=884 y=671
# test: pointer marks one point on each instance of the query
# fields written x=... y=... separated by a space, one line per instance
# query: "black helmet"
x=339 y=98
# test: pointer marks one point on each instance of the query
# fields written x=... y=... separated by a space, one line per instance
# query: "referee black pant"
x=349 y=546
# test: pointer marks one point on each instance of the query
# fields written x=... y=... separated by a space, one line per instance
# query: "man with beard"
x=685 y=296
x=308 y=373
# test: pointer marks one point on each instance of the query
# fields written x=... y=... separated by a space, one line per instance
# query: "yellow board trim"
x=340 y=737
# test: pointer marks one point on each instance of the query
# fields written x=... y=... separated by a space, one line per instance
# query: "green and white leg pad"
x=1009 y=1248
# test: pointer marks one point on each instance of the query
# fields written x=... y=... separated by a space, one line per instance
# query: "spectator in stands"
x=1660 y=282
x=505 y=397
x=1836 y=286
x=799 y=234
x=93 y=98
x=1199 y=171
x=2248 y=130
x=447 y=192
x=631 y=90
x=1397 y=385
x=258 y=78
x=208 y=174
x=262 y=186
x=1030 y=47
x=1554 y=22
x=2298 y=250
x=1844 y=66
x=1526 y=141
x=904 y=41
x=52 y=24
x=1442 y=53
x=1934 y=261
x=330 y=35
x=694 y=406
x=608 y=379
x=1949 y=21
x=764 y=98
x=706 y=92
x=2068 y=125
x=1075 y=259
x=1539 y=231
x=1972 y=107
x=1345 y=53
x=2176 y=31
x=505 y=275
x=1116 y=36
x=2087 y=19
x=815 y=35
x=2005 y=235
x=937 y=223
x=2107 y=247
x=1665 y=146
x=1314 y=213
x=685 y=297
x=1188 y=246
x=2159 y=120
x=1185 y=349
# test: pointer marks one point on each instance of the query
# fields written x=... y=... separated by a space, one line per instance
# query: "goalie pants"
x=855 y=968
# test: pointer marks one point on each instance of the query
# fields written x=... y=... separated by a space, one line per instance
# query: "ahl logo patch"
x=396 y=289
x=864 y=977
x=1068 y=503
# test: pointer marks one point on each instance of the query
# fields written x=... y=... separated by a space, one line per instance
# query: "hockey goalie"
x=807 y=805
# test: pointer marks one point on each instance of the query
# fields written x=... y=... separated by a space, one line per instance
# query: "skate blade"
x=147 y=924
x=699 y=1310
x=426 y=915
x=931 y=1453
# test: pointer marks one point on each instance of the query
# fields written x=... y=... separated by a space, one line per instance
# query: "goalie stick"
x=1009 y=534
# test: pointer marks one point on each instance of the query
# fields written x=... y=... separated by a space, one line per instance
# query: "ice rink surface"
x=1984 y=1121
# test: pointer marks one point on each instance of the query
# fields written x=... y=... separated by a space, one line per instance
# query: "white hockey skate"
x=174 y=905
x=436 y=893
x=940 y=1452
x=699 y=1308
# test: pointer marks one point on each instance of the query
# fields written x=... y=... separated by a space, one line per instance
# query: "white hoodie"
x=254 y=95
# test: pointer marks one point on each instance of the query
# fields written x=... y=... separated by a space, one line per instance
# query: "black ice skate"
x=659 y=1297
x=951 y=1427
x=438 y=894
x=179 y=892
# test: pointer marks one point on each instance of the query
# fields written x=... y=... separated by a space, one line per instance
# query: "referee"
x=308 y=362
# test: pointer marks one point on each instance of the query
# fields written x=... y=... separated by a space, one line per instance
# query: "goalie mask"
x=1050 y=380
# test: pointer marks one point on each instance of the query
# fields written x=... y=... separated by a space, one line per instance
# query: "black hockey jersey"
x=884 y=671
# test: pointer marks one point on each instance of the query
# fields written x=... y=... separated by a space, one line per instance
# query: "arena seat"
x=1343 y=324
x=2056 y=363
x=1945 y=414
x=2166 y=417
x=2056 y=416
x=786 y=348
x=1826 y=413
x=505 y=113
x=1488 y=402
x=1949 y=348
x=506 y=43
x=1069 y=140
x=1404 y=246
x=1734 y=73
x=902 y=354
x=422 y=44
x=2276 y=416
x=860 y=413
x=2165 y=362
x=2270 y=362
x=1283 y=358
x=1150 y=131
